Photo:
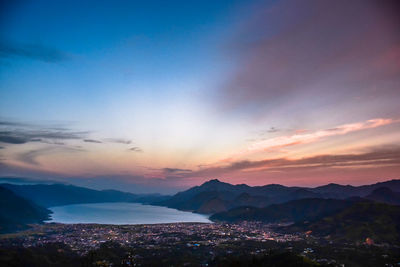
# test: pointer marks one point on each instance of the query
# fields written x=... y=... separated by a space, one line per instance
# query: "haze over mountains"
x=49 y=195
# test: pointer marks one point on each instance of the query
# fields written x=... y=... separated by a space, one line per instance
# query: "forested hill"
x=16 y=212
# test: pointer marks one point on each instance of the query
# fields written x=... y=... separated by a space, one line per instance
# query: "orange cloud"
x=310 y=137
x=374 y=158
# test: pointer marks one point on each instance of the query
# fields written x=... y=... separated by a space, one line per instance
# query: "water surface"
x=121 y=213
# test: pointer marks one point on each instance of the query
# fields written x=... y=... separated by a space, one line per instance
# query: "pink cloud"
x=310 y=137
x=375 y=158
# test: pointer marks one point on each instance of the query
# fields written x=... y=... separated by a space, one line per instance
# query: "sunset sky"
x=158 y=96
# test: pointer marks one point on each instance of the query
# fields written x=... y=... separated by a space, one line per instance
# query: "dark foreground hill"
x=385 y=195
x=49 y=195
x=16 y=212
x=292 y=211
x=353 y=220
x=377 y=221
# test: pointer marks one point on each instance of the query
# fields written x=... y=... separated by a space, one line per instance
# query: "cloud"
x=32 y=51
x=92 y=141
x=272 y=130
x=10 y=138
x=118 y=141
x=16 y=133
x=374 y=158
x=176 y=170
x=20 y=133
x=135 y=149
x=310 y=137
x=319 y=51
x=31 y=157
x=21 y=136
x=13 y=123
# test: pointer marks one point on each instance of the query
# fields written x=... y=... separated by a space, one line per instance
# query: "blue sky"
x=106 y=50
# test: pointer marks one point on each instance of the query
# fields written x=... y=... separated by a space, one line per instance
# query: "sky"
x=159 y=96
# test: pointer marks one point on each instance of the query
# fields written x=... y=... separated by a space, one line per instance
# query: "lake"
x=122 y=213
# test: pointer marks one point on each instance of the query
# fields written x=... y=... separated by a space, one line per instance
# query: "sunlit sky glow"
x=157 y=96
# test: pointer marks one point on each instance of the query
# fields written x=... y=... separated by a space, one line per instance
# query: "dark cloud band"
x=32 y=51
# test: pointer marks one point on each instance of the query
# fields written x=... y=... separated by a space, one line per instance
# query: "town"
x=85 y=237
x=198 y=244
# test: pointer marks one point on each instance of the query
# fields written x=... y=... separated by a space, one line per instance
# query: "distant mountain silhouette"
x=24 y=180
x=16 y=212
x=60 y=194
x=230 y=196
x=385 y=195
x=345 y=191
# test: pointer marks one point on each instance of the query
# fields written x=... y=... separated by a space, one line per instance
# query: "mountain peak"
x=212 y=181
x=217 y=185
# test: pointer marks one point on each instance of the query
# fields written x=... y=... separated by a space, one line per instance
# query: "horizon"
x=160 y=97
x=26 y=181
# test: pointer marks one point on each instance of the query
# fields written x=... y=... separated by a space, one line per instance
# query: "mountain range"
x=211 y=197
x=216 y=196
x=338 y=211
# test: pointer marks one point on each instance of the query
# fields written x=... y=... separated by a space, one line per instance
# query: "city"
x=196 y=243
